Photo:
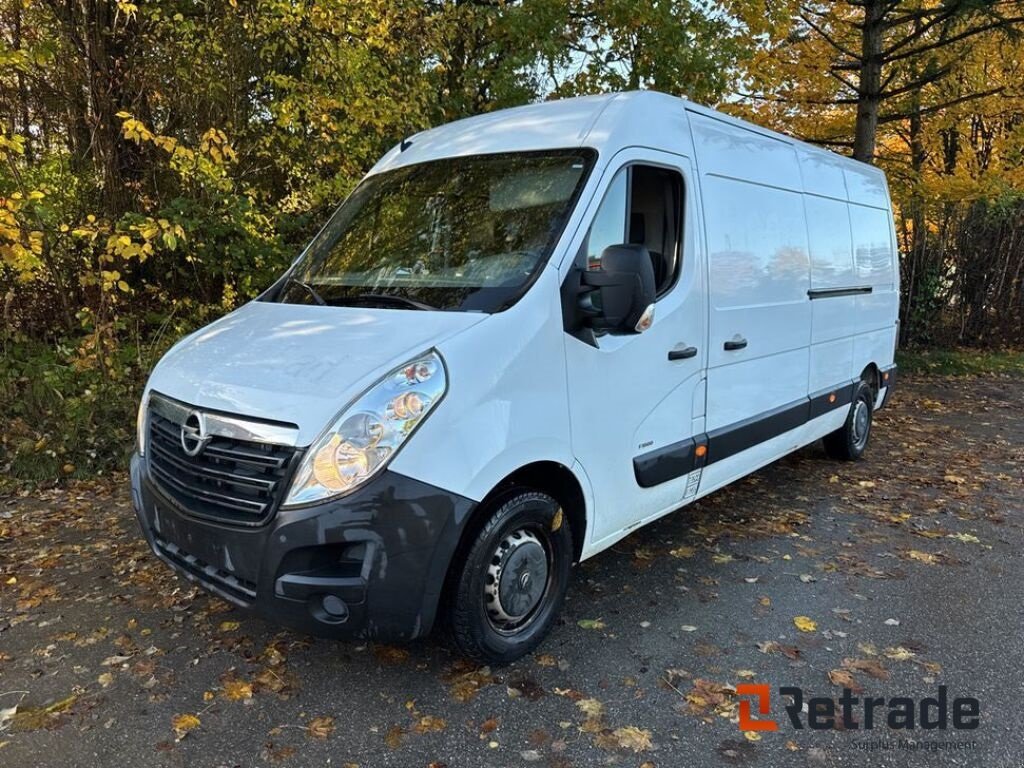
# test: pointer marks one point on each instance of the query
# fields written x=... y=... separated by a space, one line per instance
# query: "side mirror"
x=619 y=297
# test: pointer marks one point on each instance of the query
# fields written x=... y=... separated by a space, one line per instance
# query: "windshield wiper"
x=309 y=288
x=390 y=298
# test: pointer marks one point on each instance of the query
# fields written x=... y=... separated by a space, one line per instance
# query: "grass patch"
x=960 y=362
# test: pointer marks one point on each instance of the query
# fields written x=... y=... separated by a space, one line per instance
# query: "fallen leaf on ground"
x=429 y=724
x=805 y=624
x=236 y=690
x=591 y=707
x=707 y=695
x=770 y=646
x=393 y=738
x=466 y=682
x=633 y=738
x=389 y=654
x=868 y=666
x=899 y=653
x=843 y=679
x=320 y=727
x=966 y=538
x=182 y=724
x=34 y=718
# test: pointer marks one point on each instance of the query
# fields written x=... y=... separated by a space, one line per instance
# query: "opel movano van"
x=522 y=336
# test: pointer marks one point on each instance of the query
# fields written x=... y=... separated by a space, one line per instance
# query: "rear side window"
x=643 y=206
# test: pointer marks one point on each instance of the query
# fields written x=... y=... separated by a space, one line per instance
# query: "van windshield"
x=463 y=233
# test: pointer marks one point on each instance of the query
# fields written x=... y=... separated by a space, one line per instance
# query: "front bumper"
x=887 y=382
x=370 y=565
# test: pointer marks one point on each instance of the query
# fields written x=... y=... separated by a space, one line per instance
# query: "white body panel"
x=767 y=221
x=625 y=396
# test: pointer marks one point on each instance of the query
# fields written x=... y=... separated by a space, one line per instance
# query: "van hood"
x=297 y=363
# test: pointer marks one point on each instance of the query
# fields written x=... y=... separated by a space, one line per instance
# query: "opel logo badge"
x=193 y=433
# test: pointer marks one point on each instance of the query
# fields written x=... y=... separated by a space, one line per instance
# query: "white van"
x=522 y=336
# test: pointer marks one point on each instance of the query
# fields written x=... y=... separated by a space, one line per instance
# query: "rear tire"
x=508 y=591
x=849 y=442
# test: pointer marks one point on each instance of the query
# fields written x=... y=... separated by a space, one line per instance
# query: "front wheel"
x=508 y=591
x=849 y=441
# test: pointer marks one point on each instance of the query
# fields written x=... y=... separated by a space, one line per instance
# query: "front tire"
x=508 y=591
x=849 y=442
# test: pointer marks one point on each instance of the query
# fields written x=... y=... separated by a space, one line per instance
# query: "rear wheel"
x=849 y=441
x=508 y=591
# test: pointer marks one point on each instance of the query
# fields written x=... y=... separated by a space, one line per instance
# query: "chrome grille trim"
x=223 y=425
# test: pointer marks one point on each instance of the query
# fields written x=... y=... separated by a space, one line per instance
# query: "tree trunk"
x=869 y=91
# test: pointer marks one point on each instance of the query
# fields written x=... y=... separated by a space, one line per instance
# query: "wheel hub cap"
x=517 y=578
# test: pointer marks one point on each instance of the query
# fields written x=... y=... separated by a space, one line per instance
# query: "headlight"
x=369 y=432
x=140 y=426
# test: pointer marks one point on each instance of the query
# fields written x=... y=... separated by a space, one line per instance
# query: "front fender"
x=506 y=404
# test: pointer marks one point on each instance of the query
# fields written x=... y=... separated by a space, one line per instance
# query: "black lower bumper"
x=887 y=380
x=370 y=565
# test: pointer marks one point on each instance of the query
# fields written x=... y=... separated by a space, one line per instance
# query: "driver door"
x=637 y=400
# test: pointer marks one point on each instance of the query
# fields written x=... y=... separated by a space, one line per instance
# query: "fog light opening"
x=334 y=607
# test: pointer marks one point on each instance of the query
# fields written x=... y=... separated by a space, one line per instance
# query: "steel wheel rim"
x=861 y=423
x=518 y=580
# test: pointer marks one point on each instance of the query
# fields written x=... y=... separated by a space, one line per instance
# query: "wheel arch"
x=550 y=477
x=872 y=376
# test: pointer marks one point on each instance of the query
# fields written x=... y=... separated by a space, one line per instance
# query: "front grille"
x=241 y=589
x=231 y=480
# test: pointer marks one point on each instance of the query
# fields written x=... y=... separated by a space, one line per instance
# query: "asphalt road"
x=904 y=570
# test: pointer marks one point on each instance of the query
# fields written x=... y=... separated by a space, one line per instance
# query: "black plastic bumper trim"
x=824 y=401
x=379 y=556
x=732 y=439
x=678 y=459
x=664 y=464
x=888 y=376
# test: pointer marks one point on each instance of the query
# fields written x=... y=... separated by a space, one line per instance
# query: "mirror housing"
x=619 y=297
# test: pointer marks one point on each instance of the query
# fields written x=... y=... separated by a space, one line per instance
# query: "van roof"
x=605 y=122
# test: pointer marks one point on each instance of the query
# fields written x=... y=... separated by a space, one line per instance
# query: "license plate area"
x=208 y=551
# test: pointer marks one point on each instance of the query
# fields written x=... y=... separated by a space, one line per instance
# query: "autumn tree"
x=884 y=58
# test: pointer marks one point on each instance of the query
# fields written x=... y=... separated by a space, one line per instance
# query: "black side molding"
x=824 y=401
x=678 y=459
x=665 y=463
x=830 y=293
x=729 y=440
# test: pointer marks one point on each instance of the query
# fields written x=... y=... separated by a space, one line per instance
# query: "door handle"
x=735 y=343
x=682 y=354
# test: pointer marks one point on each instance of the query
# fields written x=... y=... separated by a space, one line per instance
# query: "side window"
x=643 y=206
x=609 y=227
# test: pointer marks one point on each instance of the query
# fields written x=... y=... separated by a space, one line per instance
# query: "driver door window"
x=643 y=206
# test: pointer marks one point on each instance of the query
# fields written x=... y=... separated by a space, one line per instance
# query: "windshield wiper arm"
x=309 y=288
x=391 y=298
